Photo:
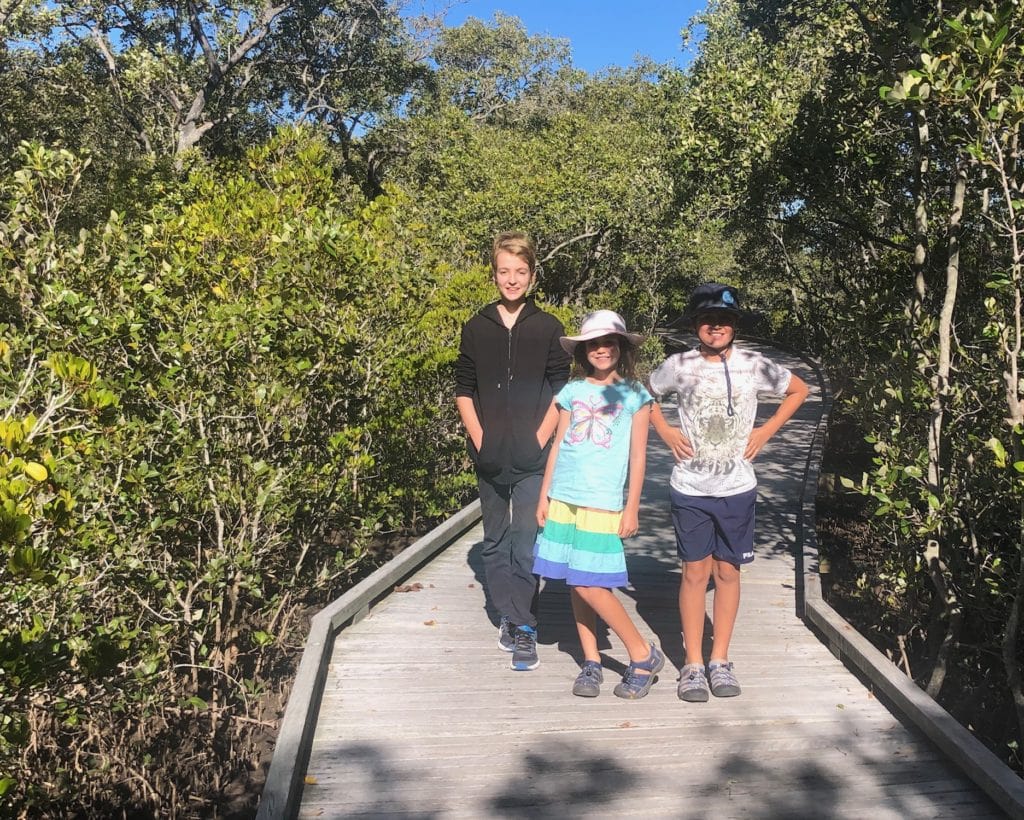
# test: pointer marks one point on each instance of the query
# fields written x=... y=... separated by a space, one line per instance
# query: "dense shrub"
x=207 y=415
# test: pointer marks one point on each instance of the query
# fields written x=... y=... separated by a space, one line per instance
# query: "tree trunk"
x=1013 y=344
x=937 y=567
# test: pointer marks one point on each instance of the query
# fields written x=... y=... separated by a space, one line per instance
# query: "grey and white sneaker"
x=723 y=680
x=693 y=686
x=588 y=681
x=506 y=640
x=524 y=654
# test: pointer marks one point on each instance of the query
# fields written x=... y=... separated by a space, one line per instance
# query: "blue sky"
x=601 y=34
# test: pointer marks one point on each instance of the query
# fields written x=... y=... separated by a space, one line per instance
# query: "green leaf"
x=998 y=450
x=998 y=39
x=36 y=471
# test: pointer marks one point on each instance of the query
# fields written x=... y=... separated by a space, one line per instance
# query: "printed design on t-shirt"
x=716 y=430
x=718 y=437
x=593 y=420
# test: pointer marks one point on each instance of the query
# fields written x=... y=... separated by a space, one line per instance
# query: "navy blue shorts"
x=711 y=525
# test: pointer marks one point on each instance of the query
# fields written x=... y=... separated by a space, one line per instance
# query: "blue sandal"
x=635 y=685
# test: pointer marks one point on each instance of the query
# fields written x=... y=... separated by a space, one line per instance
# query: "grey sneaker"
x=723 y=680
x=524 y=654
x=588 y=681
x=693 y=686
x=506 y=641
x=634 y=685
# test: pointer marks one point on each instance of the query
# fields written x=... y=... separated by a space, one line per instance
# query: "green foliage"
x=207 y=409
x=588 y=180
x=868 y=120
x=159 y=80
x=500 y=74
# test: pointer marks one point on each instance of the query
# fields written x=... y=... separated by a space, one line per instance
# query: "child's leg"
x=604 y=603
x=586 y=625
x=726 y=607
x=692 y=593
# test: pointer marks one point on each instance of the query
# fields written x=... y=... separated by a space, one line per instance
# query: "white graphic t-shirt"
x=719 y=438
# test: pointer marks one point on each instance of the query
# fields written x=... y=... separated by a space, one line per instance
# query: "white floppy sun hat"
x=597 y=324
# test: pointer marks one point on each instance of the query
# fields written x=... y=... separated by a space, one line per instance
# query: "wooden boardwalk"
x=421 y=716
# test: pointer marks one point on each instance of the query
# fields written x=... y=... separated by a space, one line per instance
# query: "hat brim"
x=569 y=342
x=686 y=319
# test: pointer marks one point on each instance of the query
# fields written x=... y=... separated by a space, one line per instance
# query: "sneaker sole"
x=504 y=648
x=523 y=666
x=587 y=693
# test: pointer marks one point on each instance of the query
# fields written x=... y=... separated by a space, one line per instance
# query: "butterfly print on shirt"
x=593 y=422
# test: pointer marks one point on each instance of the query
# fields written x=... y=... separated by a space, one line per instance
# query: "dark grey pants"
x=510 y=530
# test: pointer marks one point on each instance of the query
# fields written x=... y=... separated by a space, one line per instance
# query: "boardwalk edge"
x=282 y=791
x=968 y=753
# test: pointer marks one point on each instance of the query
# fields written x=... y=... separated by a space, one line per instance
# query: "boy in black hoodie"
x=509 y=368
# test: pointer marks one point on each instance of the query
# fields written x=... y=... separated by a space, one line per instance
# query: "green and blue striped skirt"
x=581 y=546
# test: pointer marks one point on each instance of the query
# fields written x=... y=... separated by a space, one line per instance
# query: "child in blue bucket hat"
x=713 y=486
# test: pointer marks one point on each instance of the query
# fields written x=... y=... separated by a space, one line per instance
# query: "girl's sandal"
x=634 y=684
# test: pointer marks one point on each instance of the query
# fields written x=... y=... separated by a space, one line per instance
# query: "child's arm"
x=630 y=522
x=678 y=443
x=547 y=425
x=549 y=470
x=795 y=395
x=470 y=420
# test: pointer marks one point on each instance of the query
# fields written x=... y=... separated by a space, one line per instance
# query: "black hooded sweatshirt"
x=512 y=374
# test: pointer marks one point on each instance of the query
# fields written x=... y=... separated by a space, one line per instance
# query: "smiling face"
x=513 y=277
x=603 y=354
x=716 y=330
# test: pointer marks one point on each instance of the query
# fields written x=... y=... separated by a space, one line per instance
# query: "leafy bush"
x=208 y=414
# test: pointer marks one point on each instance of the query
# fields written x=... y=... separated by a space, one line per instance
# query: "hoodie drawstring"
x=728 y=385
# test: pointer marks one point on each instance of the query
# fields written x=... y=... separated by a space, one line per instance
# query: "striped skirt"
x=581 y=546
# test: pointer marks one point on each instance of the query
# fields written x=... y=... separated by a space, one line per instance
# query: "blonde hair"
x=516 y=243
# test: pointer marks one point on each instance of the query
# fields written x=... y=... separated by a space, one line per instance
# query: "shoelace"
x=724 y=675
x=695 y=679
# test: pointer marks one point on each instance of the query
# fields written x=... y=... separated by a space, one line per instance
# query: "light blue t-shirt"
x=593 y=456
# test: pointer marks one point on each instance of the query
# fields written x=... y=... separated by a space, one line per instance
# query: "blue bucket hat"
x=711 y=297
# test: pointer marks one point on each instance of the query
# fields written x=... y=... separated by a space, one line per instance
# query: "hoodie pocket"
x=488 y=458
x=529 y=456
